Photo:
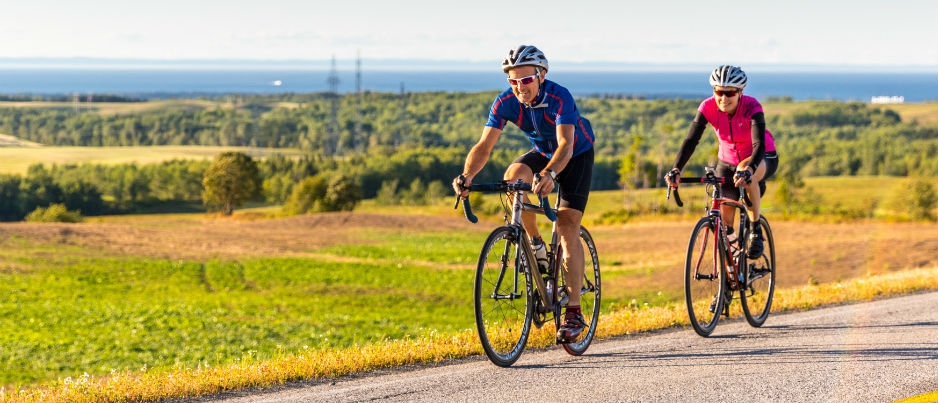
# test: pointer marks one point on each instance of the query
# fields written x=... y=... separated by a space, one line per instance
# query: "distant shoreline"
x=81 y=83
x=431 y=65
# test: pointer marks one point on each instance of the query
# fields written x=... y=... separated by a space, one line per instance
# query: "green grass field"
x=126 y=313
x=16 y=160
x=65 y=313
x=165 y=328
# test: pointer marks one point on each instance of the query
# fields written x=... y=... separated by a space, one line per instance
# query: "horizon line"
x=427 y=64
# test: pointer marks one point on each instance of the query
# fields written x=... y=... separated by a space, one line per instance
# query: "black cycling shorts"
x=574 y=180
x=727 y=170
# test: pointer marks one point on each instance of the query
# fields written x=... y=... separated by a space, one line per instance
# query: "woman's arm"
x=690 y=143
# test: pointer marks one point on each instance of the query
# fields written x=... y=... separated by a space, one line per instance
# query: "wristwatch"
x=553 y=175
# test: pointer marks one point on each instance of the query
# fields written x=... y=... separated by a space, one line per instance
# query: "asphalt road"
x=870 y=352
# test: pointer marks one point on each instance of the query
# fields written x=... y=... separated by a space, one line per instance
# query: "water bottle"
x=736 y=259
x=730 y=236
x=540 y=253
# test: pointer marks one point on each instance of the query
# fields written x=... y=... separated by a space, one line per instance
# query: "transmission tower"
x=332 y=143
x=358 y=137
x=401 y=118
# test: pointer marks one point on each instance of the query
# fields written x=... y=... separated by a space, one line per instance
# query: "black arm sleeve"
x=693 y=138
x=758 y=140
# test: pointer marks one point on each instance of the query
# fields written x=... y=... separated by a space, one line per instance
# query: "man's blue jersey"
x=554 y=105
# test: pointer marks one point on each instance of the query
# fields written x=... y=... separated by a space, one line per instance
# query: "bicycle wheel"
x=590 y=294
x=503 y=288
x=759 y=278
x=703 y=278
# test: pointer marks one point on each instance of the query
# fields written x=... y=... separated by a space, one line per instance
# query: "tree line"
x=391 y=145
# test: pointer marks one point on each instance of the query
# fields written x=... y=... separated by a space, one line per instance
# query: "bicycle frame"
x=727 y=250
x=518 y=206
x=507 y=267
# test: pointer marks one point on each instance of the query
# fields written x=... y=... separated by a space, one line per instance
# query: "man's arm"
x=480 y=153
x=564 y=152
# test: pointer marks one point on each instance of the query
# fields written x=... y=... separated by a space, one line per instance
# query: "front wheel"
x=703 y=279
x=503 y=290
x=759 y=280
x=590 y=294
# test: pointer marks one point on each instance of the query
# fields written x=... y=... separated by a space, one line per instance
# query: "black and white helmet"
x=524 y=55
x=728 y=76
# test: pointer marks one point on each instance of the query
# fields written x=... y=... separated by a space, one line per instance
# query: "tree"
x=231 y=180
x=630 y=167
x=916 y=198
x=343 y=194
x=12 y=202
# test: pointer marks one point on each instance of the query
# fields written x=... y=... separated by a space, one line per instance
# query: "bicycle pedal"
x=563 y=340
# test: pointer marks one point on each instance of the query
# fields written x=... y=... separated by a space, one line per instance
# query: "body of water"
x=157 y=83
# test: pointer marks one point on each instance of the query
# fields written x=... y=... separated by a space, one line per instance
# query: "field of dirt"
x=207 y=237
x=807 y=252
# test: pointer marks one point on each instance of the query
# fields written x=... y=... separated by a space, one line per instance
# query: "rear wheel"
x=590 y=294
x=759 y=278
x=703 y=279
x=503 y=305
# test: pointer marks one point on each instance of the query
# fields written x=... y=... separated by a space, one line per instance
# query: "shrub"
x=54 y=213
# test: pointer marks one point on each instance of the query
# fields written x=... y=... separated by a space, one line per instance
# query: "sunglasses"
x=725 y=93
x=523 y=80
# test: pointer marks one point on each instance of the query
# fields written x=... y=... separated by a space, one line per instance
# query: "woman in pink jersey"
x=747 y=149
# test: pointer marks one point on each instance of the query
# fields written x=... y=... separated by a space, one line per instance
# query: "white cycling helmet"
x=525 y=55
x=728 y=76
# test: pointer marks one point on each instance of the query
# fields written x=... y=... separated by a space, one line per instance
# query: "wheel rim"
x=503 y=319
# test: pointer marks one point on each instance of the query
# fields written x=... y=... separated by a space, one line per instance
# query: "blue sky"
x=867 y=34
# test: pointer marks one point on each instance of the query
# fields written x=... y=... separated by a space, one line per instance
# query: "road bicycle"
x=512 y=292
x=716 y=267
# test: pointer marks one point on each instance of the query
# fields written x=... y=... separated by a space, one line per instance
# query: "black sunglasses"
x=726 y=93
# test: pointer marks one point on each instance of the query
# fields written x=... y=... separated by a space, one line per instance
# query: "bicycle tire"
x=704 y=278
x=503 y=310
x=759 y=278
x=590 y=295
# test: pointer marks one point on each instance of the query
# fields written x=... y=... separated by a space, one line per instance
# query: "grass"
x=251 y=371
x=64 y=316
x=16 y=160
x=923 y=113
x=840 y=197
x=79 y=326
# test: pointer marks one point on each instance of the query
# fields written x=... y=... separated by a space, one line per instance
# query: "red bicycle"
x=716 y=267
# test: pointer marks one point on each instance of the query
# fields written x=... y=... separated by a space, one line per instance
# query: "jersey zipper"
x=729 y=120
x=537 y=130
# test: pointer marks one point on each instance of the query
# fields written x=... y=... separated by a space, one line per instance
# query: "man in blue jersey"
x=562 y=153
